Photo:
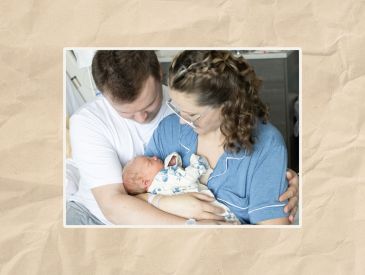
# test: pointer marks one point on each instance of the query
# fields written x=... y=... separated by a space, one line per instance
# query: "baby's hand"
x=172 y=161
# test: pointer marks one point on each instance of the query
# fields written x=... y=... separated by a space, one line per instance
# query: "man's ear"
x=161 y=73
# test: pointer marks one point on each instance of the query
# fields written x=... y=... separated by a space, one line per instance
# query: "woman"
x=215 y=98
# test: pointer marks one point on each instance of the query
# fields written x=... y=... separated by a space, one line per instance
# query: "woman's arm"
x=268 y=182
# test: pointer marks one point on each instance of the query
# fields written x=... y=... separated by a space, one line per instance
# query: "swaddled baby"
x=149 y=174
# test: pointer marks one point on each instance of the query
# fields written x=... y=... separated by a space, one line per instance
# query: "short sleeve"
x=268 y=183
x=93 y=153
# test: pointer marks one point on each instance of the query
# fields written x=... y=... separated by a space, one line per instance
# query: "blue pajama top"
x=248 y=184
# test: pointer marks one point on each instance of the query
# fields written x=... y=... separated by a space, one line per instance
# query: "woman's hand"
x=192 y=205
x=292 y=193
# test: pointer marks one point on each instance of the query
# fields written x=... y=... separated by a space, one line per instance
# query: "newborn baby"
x=149 y=174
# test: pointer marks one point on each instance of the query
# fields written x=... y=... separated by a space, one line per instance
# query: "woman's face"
x=208 y=118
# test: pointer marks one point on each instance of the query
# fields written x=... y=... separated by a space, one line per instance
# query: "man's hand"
x=212 y=222
x=192 y=205
x=292 y=193
x=120 y=208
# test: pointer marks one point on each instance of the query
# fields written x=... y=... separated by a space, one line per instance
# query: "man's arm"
x=279 y=221
x=292 y=194
x=120 y=208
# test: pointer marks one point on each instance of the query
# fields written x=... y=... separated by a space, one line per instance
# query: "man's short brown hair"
x=121 y=74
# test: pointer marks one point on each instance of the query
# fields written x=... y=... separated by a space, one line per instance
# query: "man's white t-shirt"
x=102 y=143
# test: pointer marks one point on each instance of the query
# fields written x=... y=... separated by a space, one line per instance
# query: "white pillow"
x=72 y=178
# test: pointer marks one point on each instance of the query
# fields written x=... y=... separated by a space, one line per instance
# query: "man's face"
x=146 y=106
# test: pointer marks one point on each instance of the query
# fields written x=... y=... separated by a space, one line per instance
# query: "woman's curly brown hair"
x=220 y=79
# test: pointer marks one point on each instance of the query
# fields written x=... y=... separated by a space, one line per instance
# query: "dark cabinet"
x=280 y=90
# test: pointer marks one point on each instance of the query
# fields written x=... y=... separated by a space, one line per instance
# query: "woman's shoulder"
x=268 y=134
x=169 y=126
x=170 y=120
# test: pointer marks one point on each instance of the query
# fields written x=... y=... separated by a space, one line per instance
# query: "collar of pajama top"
x=236 y=175
x=219 y=181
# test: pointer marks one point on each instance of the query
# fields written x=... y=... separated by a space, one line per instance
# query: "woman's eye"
x=190 y=115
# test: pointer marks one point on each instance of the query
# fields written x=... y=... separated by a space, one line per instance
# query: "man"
x=113 y=129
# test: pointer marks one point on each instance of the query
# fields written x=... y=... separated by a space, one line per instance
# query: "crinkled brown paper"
x=332 y=37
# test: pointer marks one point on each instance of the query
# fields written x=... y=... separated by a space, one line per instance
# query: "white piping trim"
x=243 y=208
x=185 y=147
x=225 y=168
x=234 y=158
x=274 y=205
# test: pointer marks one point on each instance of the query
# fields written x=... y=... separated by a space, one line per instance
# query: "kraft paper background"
x=332 y=37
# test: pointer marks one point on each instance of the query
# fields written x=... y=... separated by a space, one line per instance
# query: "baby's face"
x=149 y=166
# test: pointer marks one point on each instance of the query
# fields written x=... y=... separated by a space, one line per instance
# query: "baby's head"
x=139 y=173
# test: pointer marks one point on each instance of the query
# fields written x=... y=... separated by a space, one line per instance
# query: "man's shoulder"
x=95 y=111
x=96 y=106
x=92 y=117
